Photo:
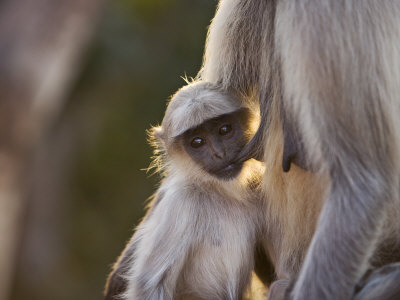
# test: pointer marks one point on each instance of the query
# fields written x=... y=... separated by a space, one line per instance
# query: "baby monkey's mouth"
x=229 y=172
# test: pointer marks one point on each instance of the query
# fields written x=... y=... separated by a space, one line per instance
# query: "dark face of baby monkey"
x=215 y=143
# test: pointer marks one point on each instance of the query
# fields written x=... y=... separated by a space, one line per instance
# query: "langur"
x=200 y=235
x=327 y=77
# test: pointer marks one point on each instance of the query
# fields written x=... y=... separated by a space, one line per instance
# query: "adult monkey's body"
x=332 y=70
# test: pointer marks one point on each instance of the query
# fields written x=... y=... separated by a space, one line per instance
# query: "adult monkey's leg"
x=340 y=71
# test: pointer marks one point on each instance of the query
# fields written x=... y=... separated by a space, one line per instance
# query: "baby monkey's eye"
x=225 y=129
x=197 y=142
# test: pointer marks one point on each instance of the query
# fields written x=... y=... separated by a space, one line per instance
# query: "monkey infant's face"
x=215 y=143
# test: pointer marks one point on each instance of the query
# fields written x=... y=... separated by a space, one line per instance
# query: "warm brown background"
x=89 y=189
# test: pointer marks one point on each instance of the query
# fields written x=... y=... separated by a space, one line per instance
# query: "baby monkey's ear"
x=156 y=137
x=157 y=133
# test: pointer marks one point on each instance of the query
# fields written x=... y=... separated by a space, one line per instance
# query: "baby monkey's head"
x=205 y=126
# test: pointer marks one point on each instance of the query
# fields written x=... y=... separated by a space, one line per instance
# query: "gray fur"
x=334 y=68
x=382 y=284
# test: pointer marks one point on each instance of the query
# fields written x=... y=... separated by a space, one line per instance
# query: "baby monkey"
x=200 y=232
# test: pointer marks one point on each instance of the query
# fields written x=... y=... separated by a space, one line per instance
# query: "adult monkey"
x=330 y=70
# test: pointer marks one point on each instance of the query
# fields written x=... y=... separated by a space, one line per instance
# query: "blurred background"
x=77 y=184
